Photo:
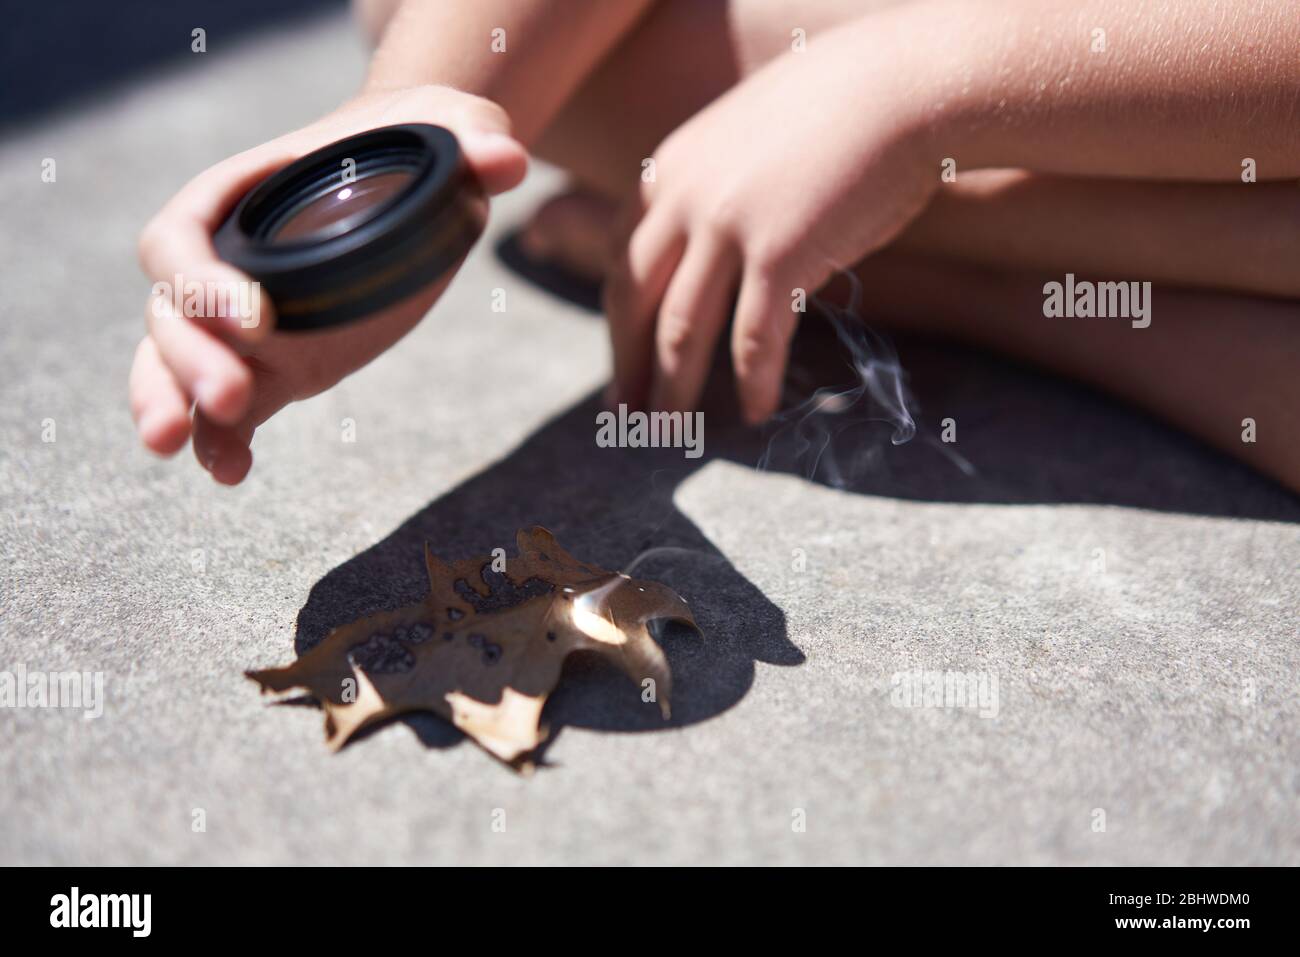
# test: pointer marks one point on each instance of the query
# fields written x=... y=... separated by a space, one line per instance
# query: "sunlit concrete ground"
x=1133 y=595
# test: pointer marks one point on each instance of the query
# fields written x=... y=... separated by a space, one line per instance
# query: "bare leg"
x=975 y=262
x=1214 y=236
x=686 y=53
x=1208 y=361
x=1238 y=237
x=681 y=56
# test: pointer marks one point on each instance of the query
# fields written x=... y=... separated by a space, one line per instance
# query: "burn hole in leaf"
x=382 y=654
x=502 y=592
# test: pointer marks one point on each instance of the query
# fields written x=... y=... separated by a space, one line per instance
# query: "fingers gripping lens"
x=356 y=226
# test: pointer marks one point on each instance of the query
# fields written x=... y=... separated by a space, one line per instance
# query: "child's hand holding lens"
x=231 y=370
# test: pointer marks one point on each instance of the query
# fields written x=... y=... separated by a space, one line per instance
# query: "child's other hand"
x=810 y=164
x=234 y=378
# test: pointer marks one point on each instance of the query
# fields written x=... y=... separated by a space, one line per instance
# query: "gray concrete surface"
x=1134 y=595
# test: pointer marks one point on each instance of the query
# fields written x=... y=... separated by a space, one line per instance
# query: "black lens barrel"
x=363 y=263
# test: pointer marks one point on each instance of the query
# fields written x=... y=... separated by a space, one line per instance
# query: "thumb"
x=481 y=126
x=497 y=158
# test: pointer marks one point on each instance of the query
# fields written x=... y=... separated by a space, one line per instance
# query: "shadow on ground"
x=1030 y=439
x=59 y=53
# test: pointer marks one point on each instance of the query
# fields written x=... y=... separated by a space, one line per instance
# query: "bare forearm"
x=527 y=55
x=1183 y=89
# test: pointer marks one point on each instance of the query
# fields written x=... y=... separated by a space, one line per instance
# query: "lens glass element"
x=352 y=203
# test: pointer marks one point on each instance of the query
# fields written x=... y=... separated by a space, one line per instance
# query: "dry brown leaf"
x=485 y=648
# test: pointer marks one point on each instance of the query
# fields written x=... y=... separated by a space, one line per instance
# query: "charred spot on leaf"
x=455 y=614
x=502 y=592
x=491 y=653
x=421 y=631
x=382 y=654
x=550 y=636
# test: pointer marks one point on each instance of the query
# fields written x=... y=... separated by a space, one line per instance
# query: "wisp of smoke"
x=811 y=435
x=805 y=436
x=670 y=551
